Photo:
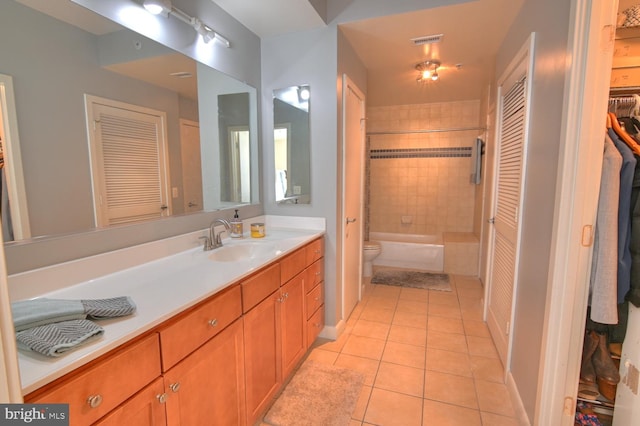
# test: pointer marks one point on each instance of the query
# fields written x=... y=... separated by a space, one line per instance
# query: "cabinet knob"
x=286 y=295
x=213 y=322
x=162 y=398
x=175 y=387
x=318 y=250
x=94 y=401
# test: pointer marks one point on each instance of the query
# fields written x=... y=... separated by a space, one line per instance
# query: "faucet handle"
x=207 y=242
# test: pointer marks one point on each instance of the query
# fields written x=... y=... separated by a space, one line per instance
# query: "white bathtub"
x=411 y=251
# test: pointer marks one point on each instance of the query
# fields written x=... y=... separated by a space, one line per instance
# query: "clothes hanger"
x=623 y=135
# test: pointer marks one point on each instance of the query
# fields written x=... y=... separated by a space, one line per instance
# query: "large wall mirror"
x=208 y=119
x=292 y=144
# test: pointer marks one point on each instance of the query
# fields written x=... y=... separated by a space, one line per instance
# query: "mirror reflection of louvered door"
x=128 y=159
x=508 y=190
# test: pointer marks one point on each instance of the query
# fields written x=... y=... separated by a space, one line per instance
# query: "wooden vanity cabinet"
x=262 y=355
x=220 y=362
x=146 y=408
x=96 y=389
x=208 y=386
x=294 y=332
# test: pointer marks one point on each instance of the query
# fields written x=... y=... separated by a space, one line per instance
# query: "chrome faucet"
x=215 y=240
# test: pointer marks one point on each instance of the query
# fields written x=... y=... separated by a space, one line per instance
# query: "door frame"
x=346 y=83
x=13 y=160
x=590 y=49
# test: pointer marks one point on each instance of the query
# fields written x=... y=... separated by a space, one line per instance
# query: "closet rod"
x=403 y=132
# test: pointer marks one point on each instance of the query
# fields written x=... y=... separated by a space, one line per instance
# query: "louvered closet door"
x=128 y=156
x=509 y=174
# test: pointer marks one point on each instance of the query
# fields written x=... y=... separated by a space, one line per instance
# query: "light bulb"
x=157 y=7
x=434 y=76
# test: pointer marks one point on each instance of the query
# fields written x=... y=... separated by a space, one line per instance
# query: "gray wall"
x=307 y=58
x=550 y=20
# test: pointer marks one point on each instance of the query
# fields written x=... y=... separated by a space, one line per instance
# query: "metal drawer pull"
x=175 y=387
x=94 y=401
x=213 y=322
x=162 y=398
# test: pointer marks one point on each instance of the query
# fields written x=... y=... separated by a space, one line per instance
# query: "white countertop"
x=161 y=289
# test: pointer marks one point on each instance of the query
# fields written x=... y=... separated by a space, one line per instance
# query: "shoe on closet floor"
x=607 y=374
x=587 y=372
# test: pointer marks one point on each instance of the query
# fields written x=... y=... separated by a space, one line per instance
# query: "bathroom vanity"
x=215 y=335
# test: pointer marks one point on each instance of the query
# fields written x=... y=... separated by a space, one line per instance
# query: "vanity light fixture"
x=303 y=93
x=165 y=8
x=427 y=70
x=158 y=7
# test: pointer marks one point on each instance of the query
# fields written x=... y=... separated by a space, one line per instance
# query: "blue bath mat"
x=413 y=279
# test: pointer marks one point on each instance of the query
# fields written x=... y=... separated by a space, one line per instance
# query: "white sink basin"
x=244 y=251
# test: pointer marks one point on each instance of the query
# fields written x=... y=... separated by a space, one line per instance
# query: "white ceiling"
x=473 y=31
x=268 y=18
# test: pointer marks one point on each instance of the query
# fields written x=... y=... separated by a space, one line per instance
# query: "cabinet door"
x=207 y=387
x=262 y=354
x=293 y=323
x=146 y=408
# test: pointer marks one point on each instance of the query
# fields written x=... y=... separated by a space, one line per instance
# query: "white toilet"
x=371 y=250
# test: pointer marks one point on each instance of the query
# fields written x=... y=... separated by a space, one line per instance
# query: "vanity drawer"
x=260 y=286
x=107 y=383
x=292 y=265
x=315 y=275
x=314 y=326
x=314 y=250
x=194 y=328
x=314 y=299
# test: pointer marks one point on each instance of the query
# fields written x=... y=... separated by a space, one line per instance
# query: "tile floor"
x=427 y=357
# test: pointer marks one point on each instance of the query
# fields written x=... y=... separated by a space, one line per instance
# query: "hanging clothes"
x=627 y=173
x=603 y=289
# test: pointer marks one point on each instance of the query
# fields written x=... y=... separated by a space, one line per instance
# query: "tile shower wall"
x=421 y=195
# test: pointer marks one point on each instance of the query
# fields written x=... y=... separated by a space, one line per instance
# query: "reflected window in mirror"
x=292 y=145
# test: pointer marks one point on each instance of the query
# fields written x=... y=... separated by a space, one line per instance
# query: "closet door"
x=128 y=162
x=508 y=188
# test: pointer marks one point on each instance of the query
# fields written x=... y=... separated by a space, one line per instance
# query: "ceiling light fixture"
x=165 y=8
x=427 y=70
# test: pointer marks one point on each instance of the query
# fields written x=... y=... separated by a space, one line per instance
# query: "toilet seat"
x=371 y=245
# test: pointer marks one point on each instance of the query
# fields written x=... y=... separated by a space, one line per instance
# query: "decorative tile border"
x=450 y=152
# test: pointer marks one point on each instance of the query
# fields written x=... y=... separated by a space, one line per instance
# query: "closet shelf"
x=627 y=32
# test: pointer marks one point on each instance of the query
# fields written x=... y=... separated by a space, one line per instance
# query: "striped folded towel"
x=55 y=339
x=37 y=312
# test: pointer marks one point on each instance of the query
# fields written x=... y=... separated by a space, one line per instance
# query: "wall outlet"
x=174 y=192
x=406 y=220
x=297 y=190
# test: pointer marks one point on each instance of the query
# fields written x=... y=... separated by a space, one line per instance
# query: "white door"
x=128 y=150
x=191 y=166
x=507 y=204
x=352 y=203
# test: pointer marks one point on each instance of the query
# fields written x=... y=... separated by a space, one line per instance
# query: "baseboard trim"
x=333 y=332
x=516 y=401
